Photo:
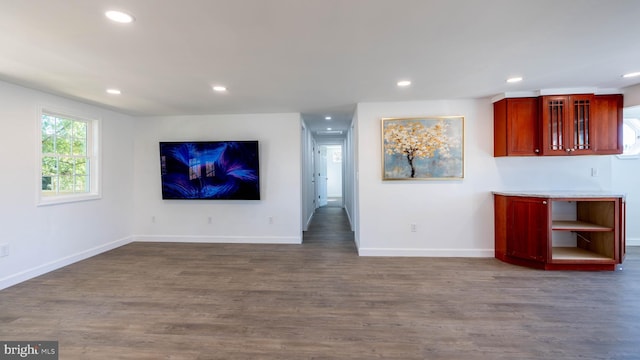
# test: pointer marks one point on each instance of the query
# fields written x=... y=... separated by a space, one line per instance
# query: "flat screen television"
x=210 y=170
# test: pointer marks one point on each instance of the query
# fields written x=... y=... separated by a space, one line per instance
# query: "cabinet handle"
x=544 y=203
x=536 y=150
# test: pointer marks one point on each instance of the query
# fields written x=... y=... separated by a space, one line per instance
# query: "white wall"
x=626 y=175
x=632 y=96
x=308 y=184
x=352 y=192
x=44 y=238
x=453 y=218
x=232 y=221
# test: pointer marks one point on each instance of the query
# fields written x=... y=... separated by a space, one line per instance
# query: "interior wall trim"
x=25 y=275
x=220 y=239
x=480 y=253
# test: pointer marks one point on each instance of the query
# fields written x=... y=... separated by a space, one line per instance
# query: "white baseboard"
x=220 y=239
x=25 y=275
x=306 y=225
x=445 y=252
x=427 y=252
x=349 y=218
x=633 y=242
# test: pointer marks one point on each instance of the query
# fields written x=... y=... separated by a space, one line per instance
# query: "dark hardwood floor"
x=319 y=300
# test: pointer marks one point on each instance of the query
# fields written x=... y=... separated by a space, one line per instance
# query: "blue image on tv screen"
x=210 y=170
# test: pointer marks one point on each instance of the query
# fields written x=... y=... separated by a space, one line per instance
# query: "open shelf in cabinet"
x=575 y=225
x=574 y=253
x=583 y=230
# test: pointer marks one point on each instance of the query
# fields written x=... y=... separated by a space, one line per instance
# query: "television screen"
x=210 y=170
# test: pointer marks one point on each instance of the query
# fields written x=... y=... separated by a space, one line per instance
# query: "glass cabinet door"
x=581 y=124
x=566 y=124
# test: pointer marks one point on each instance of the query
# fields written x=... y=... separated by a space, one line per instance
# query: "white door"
x=321 y=175
x=334 y=174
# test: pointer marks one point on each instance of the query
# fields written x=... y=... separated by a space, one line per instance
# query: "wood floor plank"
x=319 y=300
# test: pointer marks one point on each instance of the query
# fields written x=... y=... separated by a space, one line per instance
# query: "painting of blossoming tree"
x=430 y=148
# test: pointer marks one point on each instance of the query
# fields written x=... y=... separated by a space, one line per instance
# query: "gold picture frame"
x=423 y=148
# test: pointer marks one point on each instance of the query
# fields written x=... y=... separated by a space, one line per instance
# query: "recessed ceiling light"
x=633 y=74
x=327 y=117
x=119 y=16
x=514 y=79
x=114 y=91
x=219 y=88
x=328 y=129
x=403 y=83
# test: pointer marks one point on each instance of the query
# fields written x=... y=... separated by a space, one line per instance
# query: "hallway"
x=329 y=229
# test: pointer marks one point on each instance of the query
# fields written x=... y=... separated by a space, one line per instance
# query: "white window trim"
x=635 y=124
x=96 y=159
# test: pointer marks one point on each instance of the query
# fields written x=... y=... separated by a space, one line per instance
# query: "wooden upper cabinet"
x=567 y=124
x=584 y=124
x=607 y=125
x=515 y=125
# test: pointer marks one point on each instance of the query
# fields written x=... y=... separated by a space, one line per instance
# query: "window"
x=68 y=159
x=631 y=137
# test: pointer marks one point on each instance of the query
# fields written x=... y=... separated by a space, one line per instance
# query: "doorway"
x=329 y=175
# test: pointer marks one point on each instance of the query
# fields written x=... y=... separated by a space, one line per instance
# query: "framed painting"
x=424 y=148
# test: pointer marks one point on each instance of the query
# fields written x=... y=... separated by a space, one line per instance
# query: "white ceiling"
x=316 y=57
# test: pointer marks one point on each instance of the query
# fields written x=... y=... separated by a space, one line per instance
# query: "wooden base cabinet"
x=565 y=232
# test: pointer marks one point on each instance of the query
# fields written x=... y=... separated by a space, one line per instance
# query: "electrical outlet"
x=209 y=220
x=270 y=219
x=413 y=227
x=153 y=219
x=594 y=172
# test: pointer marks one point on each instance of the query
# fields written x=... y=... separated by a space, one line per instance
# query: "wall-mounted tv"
x=210 y=170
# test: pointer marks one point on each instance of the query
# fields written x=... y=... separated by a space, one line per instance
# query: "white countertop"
x=561 y=194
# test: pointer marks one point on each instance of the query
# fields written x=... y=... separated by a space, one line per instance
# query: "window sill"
x=65 y=199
